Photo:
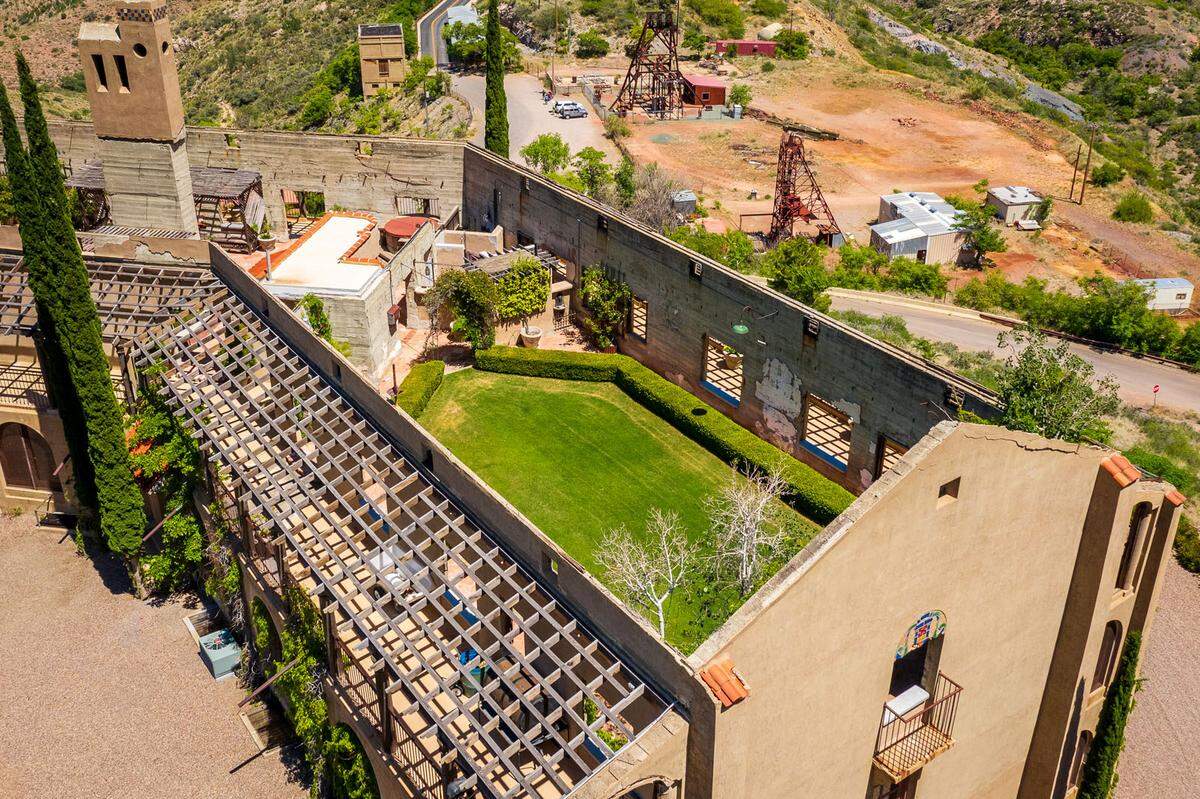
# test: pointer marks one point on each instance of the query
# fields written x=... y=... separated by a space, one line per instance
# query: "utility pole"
x=1075 y=171
x=1088 y=166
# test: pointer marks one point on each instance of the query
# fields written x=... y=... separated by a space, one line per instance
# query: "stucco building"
x=951 y=634
x=381 y=57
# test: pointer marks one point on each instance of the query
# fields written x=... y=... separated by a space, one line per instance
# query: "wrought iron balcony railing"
x=907 y=742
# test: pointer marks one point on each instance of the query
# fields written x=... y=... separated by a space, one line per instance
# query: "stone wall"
x=362 y=173
x=789 y=351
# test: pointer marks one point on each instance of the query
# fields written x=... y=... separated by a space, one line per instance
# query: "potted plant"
x=733 y=358
x=266 y=239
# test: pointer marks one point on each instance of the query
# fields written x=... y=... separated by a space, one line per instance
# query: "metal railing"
x=905 y=743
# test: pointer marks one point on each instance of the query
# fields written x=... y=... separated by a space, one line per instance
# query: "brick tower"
x=133 y=88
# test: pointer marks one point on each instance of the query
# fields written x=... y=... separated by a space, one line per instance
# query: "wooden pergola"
x=468 y=668
x=131 y=297
x=222 y=197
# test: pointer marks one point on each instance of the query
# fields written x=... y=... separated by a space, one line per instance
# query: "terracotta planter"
x=531 y=337
x=267 y=243
x=733 y=360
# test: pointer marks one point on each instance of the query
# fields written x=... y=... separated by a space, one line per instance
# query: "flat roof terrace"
x=337 y=255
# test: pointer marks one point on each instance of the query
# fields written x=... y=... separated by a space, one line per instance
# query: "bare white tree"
x=648 y=572
x=748 y=527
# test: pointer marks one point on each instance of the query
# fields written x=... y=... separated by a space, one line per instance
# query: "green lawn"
x=582 y=458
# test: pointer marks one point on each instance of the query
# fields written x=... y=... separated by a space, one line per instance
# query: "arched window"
x=1135 y=540
x=25 y=459
x=1110 y=646
x=1082 y=747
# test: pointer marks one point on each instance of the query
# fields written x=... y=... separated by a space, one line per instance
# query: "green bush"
x=1107 y=173
x=1187 y=545
x=1133 y=207
x=1100 y=770
x=591 y=44
x=419 y=386
x=792 y=45
x=769 y=8
x=810 y=493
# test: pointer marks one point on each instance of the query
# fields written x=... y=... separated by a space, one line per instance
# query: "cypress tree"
x=495 y=103
x=1100 y=770
x=51 y=357
x=65 y=293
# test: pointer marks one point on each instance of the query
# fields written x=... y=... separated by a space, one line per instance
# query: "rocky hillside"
x=255 y=64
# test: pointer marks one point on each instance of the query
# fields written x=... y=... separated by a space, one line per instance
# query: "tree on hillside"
x=59 y=280
x=593 y=169
x=796 y=267
x=495 y=103
x=646 y=572
x=1051 y=391
x=548 y=153
x=980 y=235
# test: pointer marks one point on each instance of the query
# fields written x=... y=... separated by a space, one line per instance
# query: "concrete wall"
x=331 y=164
x=884 y=390
x=816 y=646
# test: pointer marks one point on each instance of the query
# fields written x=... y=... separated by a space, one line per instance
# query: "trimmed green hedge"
x=419 y=386
x=812 y=494
x=1100 y=770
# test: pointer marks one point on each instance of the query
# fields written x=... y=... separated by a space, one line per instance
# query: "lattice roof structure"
x=131 y=297
x=482 y=667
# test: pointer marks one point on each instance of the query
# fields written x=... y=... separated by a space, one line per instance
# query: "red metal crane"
x=797 y=195
x=653 y=81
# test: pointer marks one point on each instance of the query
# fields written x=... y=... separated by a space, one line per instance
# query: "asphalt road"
x=1137 y=377
x=429 y=31
x=529 y=117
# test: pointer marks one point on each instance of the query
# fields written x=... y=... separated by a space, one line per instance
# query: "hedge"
x=419 y=386
x=812 y=494
x=1100 y=770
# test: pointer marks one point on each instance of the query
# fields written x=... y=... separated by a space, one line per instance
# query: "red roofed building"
x=703 y=90
x=402 y=228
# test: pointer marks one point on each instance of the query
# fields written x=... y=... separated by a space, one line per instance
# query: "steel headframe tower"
x=797 y=195
x=653 y=82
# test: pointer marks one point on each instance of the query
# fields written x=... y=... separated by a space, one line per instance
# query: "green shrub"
x=1100 y=770
x=1107 y=173
x=350 y=775
x=792 y=45
x=607 y=302
x=523 y=290
x=1164 y=467
x=419 y=386
x=1133 y=207
x=591 y=44
x=1187 y=545
x=769 y=8
x=810 y=493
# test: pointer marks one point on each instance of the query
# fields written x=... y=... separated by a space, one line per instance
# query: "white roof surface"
x=922 y=213
x=1178 y=283
x=1015 y=195
x=316 y=264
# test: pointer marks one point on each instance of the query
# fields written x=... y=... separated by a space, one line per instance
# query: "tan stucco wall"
x=817 y=654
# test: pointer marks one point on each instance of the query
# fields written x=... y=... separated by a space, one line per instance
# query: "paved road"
x=429 y=31
x=1179 y=389
x=529 y=117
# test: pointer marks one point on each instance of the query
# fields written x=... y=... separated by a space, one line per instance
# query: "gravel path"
x=1163 y=737
x=105 y=695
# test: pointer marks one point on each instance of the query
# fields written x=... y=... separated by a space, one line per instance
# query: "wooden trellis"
x=410 y=581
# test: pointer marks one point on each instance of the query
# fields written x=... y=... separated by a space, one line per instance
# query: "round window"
x=139 y=50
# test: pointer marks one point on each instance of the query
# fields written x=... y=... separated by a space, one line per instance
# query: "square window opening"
x=723 y=374
x=948 y=493
x=826 y=432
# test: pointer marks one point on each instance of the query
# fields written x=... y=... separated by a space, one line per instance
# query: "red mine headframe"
x=797 y=195
x=653 y=82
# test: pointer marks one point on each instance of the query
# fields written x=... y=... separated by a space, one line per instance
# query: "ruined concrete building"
x=951 y=634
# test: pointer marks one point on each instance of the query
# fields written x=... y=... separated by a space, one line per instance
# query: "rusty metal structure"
x=653 y=82
x=797 y=195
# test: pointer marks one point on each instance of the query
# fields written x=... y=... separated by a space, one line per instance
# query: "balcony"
x=910 y=738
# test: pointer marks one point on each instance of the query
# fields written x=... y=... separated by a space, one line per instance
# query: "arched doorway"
x=1106 y=661
x=350 y=773
x=266 y=637
x=1081 y=752
x=25 y=459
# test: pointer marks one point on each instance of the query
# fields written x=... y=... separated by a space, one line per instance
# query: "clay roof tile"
x=726 y=686
x=1176 y=498
x=1121 y=470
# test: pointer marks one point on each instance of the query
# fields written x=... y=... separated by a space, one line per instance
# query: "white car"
x=561 y=105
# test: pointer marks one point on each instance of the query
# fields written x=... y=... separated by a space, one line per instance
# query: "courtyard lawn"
x=580 y=459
